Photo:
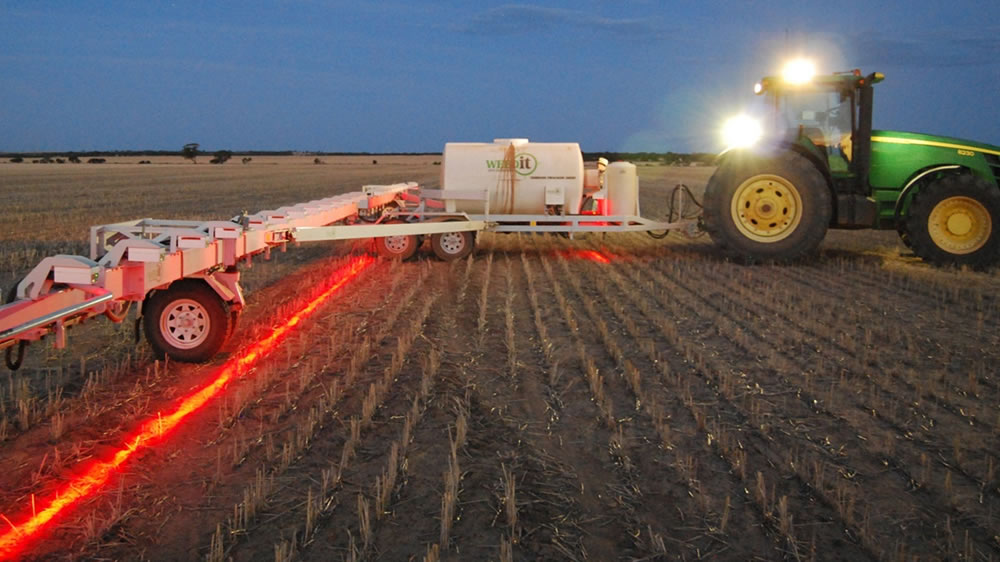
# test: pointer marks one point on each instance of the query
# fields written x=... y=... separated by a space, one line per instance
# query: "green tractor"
x=822 y=166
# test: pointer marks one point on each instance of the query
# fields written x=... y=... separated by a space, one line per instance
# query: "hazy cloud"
x=511 y=19
x=930 y=50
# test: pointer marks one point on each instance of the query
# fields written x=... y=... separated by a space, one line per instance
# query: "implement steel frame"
x=129 y=260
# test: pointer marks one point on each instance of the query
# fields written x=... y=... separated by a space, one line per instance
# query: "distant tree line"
x=191 y=151
x=668 y=158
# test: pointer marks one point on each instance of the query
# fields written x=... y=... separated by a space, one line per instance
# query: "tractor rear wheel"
x=955 y=221
x=188 y=322
x=771 y=209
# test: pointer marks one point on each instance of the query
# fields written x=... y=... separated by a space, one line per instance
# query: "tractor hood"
x=898 y=155
x=919 y=139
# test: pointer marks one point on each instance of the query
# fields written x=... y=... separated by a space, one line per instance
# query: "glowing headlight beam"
x=152 y=431
x=741 y=131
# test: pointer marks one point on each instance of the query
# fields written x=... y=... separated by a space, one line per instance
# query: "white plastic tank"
x=517 y=176
x=622 y=183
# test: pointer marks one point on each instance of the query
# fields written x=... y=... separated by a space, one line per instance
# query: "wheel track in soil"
x=219 y=495
x=872 y=467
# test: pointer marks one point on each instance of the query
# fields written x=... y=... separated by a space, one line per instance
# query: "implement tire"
x=187 y=322
x=402 y=247
x=767 y=208
x=954 y=221
x=450 y=246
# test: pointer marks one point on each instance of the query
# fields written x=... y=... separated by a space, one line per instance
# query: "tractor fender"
x=775 y=148
x=914 y=183
x=772 y=149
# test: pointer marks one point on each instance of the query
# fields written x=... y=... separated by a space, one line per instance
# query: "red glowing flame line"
x=155 y=428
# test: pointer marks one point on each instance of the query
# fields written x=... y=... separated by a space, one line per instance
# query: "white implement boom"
x=184 y=273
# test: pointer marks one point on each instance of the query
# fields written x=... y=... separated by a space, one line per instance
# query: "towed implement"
x=184 y=275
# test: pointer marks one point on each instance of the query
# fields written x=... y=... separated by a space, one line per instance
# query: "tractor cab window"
x=824 y=119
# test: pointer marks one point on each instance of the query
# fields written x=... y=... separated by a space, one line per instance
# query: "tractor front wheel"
x=187 y=322
x=767 y=208
x=954 y=220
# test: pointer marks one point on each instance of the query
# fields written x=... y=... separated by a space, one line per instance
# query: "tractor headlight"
x=798 y=71
x=741 y=131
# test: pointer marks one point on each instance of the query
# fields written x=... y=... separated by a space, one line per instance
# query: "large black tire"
x=904 y=234
x=397 y=247
x=187 y=322
x=767 y=208
x=451 y=246
x=954 y=221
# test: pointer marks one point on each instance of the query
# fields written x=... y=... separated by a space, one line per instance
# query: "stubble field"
x=613 y=397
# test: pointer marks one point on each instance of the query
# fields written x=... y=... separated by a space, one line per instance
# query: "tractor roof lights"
x=798 y=71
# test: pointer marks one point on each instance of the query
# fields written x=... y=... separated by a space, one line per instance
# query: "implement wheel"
x=451 y=246
x=767 y=208
x=401 y=247
x=954 y=221
x=188 y=322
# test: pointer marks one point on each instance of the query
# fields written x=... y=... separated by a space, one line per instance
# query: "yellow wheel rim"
x=959 y=225
x=767 y=208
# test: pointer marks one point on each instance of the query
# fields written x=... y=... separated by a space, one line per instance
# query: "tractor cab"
x=828 y=119
x=821 y=122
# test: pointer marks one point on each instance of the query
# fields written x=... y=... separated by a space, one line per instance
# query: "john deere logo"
x=524 y=164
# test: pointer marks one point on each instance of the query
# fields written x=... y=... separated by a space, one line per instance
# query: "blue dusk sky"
x=409 y=76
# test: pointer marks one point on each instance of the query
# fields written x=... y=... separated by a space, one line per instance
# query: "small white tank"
x=622 y=183
x=520 y=177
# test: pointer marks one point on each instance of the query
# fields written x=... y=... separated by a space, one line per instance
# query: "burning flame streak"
x=156 y=428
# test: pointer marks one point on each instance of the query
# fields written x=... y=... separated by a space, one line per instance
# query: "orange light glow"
x=590 y=255
x=156 y=428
